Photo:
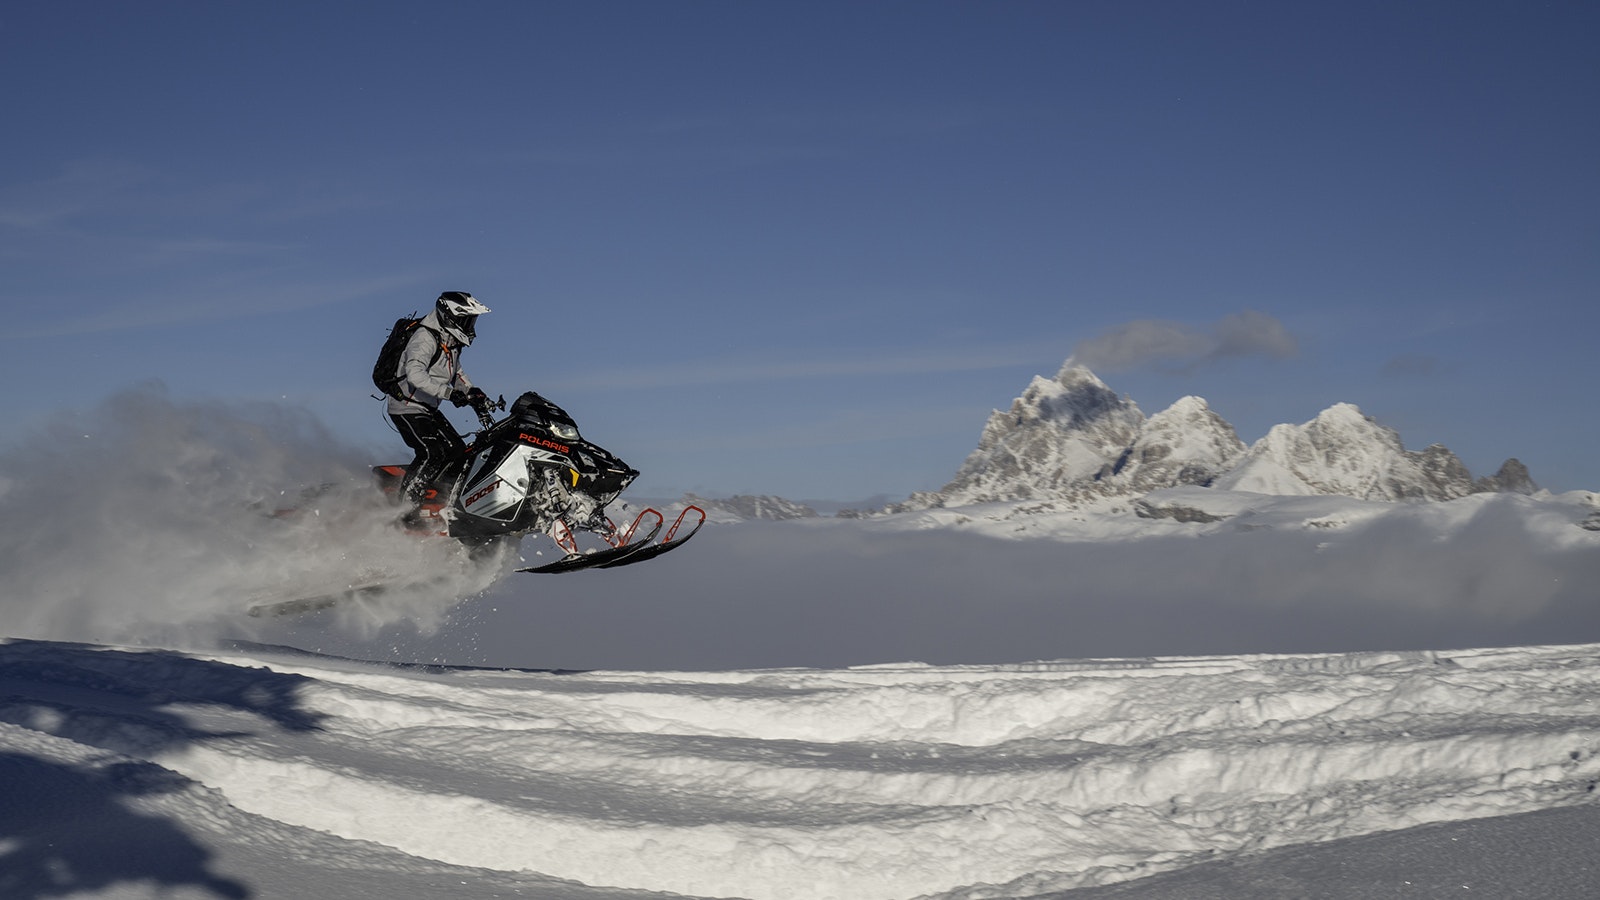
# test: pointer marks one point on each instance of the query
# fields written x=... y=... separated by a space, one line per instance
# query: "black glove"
x=460 y=398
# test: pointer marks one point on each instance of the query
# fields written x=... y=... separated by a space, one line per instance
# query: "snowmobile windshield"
x=531 y=407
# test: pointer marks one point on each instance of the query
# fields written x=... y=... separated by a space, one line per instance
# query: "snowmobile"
x=532 y=472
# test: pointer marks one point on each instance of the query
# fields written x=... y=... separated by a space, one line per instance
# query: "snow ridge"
x=875 y=783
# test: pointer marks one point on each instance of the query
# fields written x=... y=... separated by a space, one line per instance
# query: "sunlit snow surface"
x=254 y=771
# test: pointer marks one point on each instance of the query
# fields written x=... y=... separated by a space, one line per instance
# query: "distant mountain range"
x=741 y=507
x=1071 y=440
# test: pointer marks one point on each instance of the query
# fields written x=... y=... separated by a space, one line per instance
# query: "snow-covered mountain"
x=1058 y=439
x=1344 y=452
x=724 y=510
x=1072 y=439
x=742 y=507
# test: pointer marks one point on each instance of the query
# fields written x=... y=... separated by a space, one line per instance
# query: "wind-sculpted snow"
x=874 y=783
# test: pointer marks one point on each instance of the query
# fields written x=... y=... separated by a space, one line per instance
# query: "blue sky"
x=805 y=248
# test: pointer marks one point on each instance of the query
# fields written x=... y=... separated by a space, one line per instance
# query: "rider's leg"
x=437 y=447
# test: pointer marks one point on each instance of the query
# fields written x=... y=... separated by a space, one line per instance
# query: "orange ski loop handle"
x=679 y=521
x=628 y=535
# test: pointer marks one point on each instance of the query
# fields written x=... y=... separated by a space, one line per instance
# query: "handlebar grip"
x=485 y=407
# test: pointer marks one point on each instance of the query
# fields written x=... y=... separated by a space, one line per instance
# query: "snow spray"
x=150 y=519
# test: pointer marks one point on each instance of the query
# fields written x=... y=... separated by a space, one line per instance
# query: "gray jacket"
x=427 y=386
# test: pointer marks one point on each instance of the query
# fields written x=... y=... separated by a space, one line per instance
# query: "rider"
x=430 y=373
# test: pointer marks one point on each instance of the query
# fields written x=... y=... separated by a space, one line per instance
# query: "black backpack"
x=386 y=371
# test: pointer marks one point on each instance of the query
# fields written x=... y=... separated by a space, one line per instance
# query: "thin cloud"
x=83 y=186
x=1160 y=343
x=217 y=306
x=81 y=212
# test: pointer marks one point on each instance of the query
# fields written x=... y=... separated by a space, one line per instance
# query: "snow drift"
x=258 y=769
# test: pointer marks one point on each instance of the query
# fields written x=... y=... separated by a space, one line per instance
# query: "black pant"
x=439 y=450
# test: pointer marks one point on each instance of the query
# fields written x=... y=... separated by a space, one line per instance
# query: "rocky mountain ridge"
x=1072 y=440
x=742 y=507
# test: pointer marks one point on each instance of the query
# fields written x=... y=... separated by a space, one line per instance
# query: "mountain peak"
x=1512 y=477
x=1347 y=413
x=1186 y=443
x=1072 y=438
x=1344 y=451
x=1073 y=373
x=1058 y=434
x=1184 y=407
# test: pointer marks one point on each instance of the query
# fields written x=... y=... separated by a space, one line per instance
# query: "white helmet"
x=458 y=312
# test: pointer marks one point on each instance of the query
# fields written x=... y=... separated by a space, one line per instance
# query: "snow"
x=1264 y=475
x=250 y=770
x=1195 y=693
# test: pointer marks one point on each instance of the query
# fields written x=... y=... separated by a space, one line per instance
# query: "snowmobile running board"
x=628 y=552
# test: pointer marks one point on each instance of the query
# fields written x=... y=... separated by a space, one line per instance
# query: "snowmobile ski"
x=630 y=552
x=670 y=542
x=573 y=562
x=625 y=545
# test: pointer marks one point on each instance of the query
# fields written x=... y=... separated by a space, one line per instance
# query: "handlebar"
x=485 y=407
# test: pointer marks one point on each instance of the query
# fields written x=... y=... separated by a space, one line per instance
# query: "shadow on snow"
x=68 y=827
